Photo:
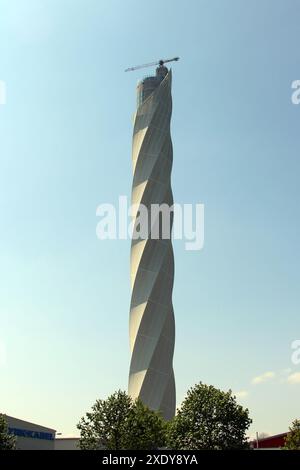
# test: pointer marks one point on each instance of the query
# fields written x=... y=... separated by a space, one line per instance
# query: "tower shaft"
x=152 y=326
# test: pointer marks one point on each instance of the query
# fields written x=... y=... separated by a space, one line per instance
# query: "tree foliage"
x=119 y=423
x=144 y=429
x=209 y=419
x=292 y=440
x=7 y=441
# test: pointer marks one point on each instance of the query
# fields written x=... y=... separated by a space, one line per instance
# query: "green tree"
x=209 y=419
x=144 y=429
x=292 y=440
x=119 y=423
x=103 y=426
x=7 y=441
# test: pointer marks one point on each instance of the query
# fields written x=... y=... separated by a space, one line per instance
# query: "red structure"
x=270 y=442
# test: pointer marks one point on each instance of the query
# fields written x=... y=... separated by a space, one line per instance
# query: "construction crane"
x=160 y=62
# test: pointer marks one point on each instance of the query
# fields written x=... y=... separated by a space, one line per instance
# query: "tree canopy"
x=119 y=423
x=209 y=419
x=292 y=440
x=7 y=440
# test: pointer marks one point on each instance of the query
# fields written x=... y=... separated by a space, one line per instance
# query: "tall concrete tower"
x=152 y=326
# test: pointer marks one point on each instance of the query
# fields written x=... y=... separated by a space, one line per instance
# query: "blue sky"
x=65 y=147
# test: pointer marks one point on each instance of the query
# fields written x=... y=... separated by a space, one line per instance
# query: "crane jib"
x=151 y=64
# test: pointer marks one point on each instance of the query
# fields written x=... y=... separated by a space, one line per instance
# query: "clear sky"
x=65 y=147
